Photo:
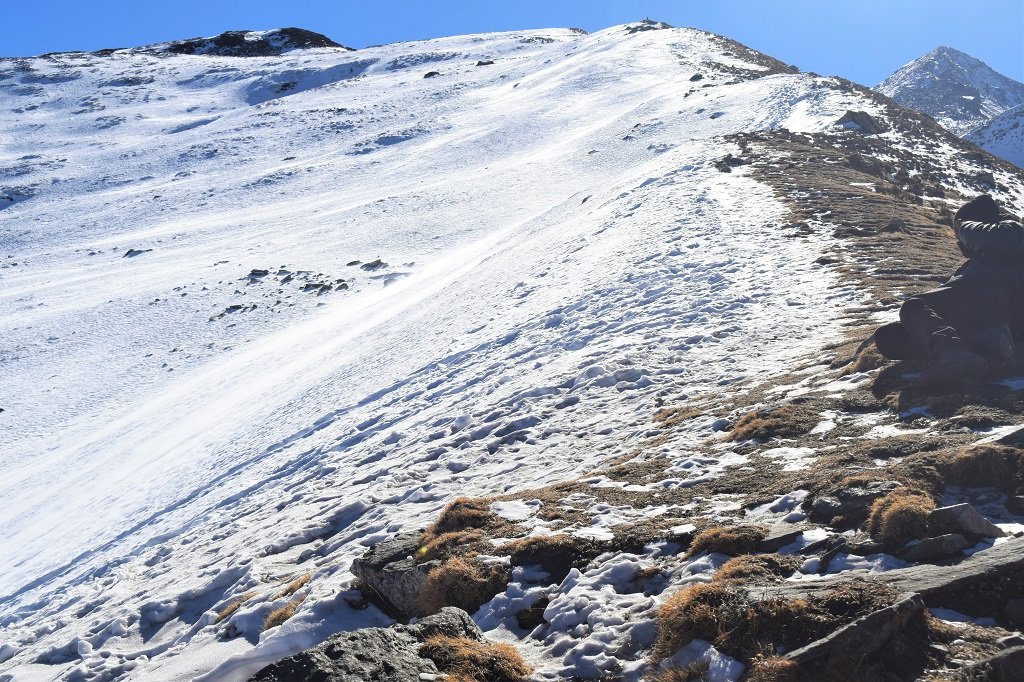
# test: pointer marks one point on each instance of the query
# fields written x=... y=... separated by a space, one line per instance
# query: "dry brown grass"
x=467 y=660
x=899 y=517
x=732 y=540
x=462 y=513
x=294 y=586
x=233 y=606
x=744 y=627
x=465 y=583
x=556 y=554
x=772 y=669
x=673 y=416
x=280 y=615
x=994 y=466
x=787 y=421
x=695 y=672
x=866 y=360
x=455 y=543
x=758 y=568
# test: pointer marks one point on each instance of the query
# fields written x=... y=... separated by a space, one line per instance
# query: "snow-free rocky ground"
x=259 y=313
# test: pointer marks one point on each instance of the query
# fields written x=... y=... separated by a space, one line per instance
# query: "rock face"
x=861 y=121
x=934 y=548
x=380 y=654
x=978 y=584
x=390 y=574
x=954 y=88
x=863 y=636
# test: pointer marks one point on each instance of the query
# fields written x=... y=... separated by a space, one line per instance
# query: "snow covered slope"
x=1003 y=136
x=258 y=313
x=954 y=88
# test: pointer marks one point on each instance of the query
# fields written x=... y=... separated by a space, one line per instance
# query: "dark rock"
x=851 y=503
x=485 y=62
x=978 y=584
x=934 y=548
x=1014 y=610
x=862 y=122
x=373 y=265
x=780 y=536
x=528 y=619
x=895 y=225
x=1006 y=666
x=382 y=654
x=249 y=43
x=132 y=253
x=986 y=180
x=1015 y=639
x=696 y=77
x=863 y=636
x=432 y=74
x=728 y=162
x=870 y=166
x=962 y=518
x=390 y=575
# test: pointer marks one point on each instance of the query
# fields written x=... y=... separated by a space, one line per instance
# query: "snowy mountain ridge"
x=1002 y=136
x=263 y=313
x=956 y=89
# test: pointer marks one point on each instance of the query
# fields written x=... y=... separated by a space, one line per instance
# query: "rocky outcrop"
x=382 y=654
x=861 y=121
x=248 y=43
x=1006 y=666
x=850 y=502
x=979 y=584
x=962 y=519
x=863 y=636
x=390 y=575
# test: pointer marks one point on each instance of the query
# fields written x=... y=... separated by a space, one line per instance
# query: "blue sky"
x=864 y=40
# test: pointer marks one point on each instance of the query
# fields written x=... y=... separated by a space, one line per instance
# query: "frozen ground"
x=208 y=395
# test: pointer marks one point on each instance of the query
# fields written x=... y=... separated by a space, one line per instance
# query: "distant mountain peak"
x=959 y=91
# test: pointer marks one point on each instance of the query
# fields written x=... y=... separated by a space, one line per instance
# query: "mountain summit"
x=954 y=88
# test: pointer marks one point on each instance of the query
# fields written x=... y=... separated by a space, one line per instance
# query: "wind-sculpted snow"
x=251 y=329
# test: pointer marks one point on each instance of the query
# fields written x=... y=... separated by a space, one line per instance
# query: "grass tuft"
x=294 y=586
x=461 y=582
x=467 y=660
x=280 y=615
x=732 y=540
x=758 y=568
x=787 y=421
x=233 y=606
x=899 y=517
x=772 y=669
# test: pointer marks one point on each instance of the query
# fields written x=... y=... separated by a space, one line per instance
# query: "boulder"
x=390 y=575
x=382 y=654
x=963 y=519
x=1014 y=610
x=861 y=121
x=851 y=502
x=1004 y=666
x=979 y=584
x=864 y=636
x=934 y=548
x=780 y=536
